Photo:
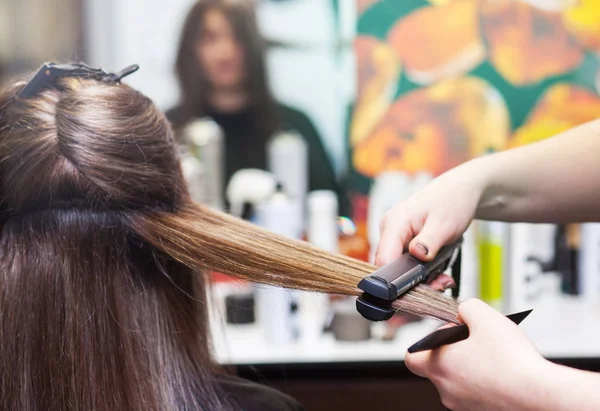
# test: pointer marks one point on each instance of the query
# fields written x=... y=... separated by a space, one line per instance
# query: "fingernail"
x=448 y=283
x=424 y=248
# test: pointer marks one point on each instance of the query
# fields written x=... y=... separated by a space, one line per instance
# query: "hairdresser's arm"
x=565 y=388
x=497 y=369
x=555 y=180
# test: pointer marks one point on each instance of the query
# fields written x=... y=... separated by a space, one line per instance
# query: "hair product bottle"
x=277 y=306
x=194 y=174
x=469 y=287
x=322 y=230
x=532 y=262
x=589 y=261
x=287 y=159
x=322 y=206
x=492 y=239
x=249 y=187
x=204 y=138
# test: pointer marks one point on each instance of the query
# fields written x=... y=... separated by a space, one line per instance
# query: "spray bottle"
x=287 y=159
x=194 y=175
x=323 y=232
x=277 y=306
x=204 y=138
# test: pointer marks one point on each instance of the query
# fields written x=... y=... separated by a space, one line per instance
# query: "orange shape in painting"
x=362 y=5
x=437 y=42
x=527 y=44
x=582 y=19
x=378 y=72
x=563 y=106
x=436 y=128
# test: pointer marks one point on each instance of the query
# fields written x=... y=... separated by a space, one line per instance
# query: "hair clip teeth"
x=49 y=73
x=117 y=77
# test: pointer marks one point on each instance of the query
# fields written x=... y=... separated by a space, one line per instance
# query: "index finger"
x=394 y=235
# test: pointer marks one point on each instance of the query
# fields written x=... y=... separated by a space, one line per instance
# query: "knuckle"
x=448 y=400
x=394 y=216
x=383 y=222
x=447 y=394
x=469 y=304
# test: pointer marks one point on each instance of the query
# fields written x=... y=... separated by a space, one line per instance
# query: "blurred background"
x=313 y=117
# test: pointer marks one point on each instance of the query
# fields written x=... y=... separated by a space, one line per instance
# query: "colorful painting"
x=444 y=81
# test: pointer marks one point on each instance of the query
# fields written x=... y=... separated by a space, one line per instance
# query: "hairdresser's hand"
x=494 y=369
x=434 y=216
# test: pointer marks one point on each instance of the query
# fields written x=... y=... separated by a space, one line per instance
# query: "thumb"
x=433 y=236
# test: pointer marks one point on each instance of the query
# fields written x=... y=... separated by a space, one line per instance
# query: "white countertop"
x=560 y=327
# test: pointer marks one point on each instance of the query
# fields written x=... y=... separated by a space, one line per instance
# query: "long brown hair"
x=102 y=255
x=193 y=85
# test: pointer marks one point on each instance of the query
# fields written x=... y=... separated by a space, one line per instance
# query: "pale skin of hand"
x=498 y=369
x=556 y=181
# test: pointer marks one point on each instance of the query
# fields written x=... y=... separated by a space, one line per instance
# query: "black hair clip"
x=49 y=73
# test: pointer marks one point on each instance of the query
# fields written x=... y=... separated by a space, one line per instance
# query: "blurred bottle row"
x=508 y=265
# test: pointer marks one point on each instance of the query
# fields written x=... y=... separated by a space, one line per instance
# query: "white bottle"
x=205 y=140
x=278 y=322
x=194 y=175
x=249 y=186
x=322 y=206
x=279 y=214
x=287 y=159
x=589 y=262
x=322 y=230
x=469 y=277
x=388 y=189
x=523 y=274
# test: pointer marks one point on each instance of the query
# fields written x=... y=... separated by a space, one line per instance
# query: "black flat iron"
x=389 y=282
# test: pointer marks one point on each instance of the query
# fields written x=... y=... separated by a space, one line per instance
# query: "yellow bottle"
x=491 y=236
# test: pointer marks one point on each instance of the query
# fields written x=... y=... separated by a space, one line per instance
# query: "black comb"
x=454 y=334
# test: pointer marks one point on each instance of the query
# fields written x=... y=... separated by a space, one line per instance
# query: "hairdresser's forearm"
x=560 y=388
x=555 y=180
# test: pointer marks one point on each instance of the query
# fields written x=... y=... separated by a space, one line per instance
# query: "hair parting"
x=205 y=239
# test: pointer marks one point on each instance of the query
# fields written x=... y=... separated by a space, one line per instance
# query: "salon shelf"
x=561 y=327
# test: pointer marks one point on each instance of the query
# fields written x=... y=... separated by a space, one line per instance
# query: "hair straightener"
x=391 y=281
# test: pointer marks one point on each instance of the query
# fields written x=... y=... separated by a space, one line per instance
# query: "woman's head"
x=221 y=50
x=91 y=316
x=87 y=145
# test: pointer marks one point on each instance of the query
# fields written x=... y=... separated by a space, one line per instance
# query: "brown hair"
x=193 y=85
x=102 y=300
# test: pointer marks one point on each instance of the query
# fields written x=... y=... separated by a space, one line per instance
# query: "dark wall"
x=349 y=386
x=384 y=386
x=364 y=395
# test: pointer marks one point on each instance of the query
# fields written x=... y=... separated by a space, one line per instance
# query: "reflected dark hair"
x=193 y=85
x=103 y=301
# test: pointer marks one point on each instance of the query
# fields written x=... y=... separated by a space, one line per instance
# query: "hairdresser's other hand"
x=494 y=369
x=434 y=216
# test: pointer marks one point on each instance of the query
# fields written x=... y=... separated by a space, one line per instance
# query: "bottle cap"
x=320 y=201
x=201 y=131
